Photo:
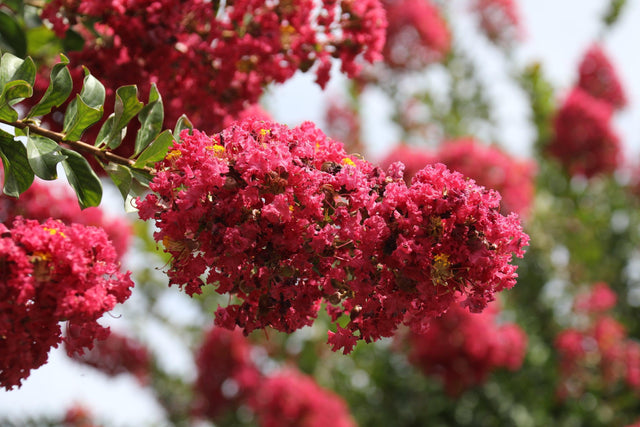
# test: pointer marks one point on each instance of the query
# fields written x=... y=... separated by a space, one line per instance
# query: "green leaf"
x=127 y=105
x=18 y=175
x=182 y=124
x=60 y=86
x=105 y=131
x=81 y=116
x=44 y=155
x=151 y=118
x=156 y=151
x=82 y=178
x=128 y=182
x=16 y=82
x=42 y=43
x=12 y=34
x=72 y=41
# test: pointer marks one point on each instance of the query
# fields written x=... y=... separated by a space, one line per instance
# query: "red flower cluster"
x=283 y=219
x=227 y=377
x=42 y=201
x=115 y=355
x=599 y=79
x=462 y=348
x=499 y=20
x=291 y=399
x=584 y=142
x=78 y=416
x=487 y=165
x=50 y=273
x=599 y=353
x=417 y=34
x=200 y=53
x=226 y=373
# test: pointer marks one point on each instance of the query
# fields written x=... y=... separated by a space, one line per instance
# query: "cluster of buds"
x=52 y=273
x=283 y=219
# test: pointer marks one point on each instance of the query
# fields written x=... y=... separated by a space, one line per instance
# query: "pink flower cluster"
x=78 y=416
x=43 y=201
x=212 y=59
x=283 y=219
x=417 y=34
x=227 y=377
x=584 y=141
x=115 y=355
x=224 y=359
x=291 y=399
x=499 y=20
x=463 y=348
x=51 y=273
x=599 y=353
x=487 y=165
x=599 y=79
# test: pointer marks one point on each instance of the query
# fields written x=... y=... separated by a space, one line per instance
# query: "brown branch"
x=105 y=156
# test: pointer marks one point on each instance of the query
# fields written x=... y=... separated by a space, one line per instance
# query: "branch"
x=105 y=156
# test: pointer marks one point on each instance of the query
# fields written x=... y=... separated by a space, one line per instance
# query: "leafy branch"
x=45 y=148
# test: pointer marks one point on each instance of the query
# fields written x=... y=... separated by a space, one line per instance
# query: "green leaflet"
x=60 y=86
x=44 y=155
x=85 y=110
x=156 y=151
x=82 y=178
x=151 y=118
x=12 y=34
x=18 y=176
x=16 y=82
x=127 y=105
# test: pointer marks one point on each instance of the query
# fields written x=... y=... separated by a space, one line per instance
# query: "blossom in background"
x=226 y=373
x=78 y=416
x=598 y=78
x=292 y=399
x=118 y=354
x=417 y=34
x=343 y=124
x=289 y=220
x=51 y=273
x=202 y=53
x=584 y=142
x=599 y=353
x=463 y=348
x=44 y=200
x=499 y=20
x=489 y=166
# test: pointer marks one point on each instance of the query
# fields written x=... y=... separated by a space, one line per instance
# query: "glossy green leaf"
x=105 y=131
x=81 y=116
x=151 y=118
x=44 y=155
x=60 y=86
x=182 y=124
x=82 y=178
x=14 y=68
x=129 y=183
x=156 y=151
x=18 y=175
x=127 y=105
x=12 y=34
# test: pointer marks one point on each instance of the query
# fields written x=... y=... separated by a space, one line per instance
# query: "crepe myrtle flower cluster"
x=292 y=399
x=585 y=142
x=228 y=377
x=51 y=273
x=488 y=165
x=463 y=348
x=227 y=374
x=417 y=34
x=283 y=219
x=598 y=78
x=499 y=20
x=597 y=353
x=44 y=200
x=219 y=54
